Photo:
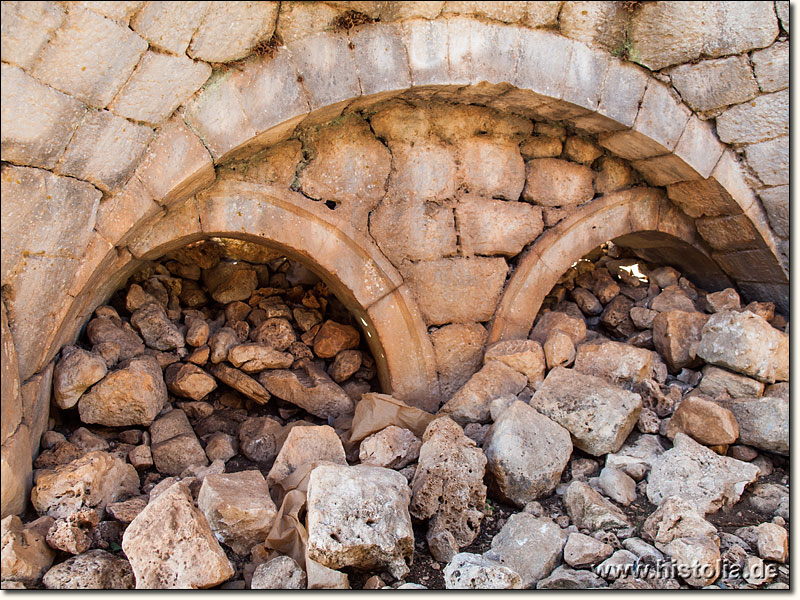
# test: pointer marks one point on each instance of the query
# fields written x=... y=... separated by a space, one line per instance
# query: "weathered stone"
x=676 y=336
x=133 y=394
x=615 y=361
x=198 y=333
x=239 y=287
x=440 y=287
x=61 y=454
x=230 y=30
x=726 y=299
x=126 y=511
x=242 y=383
x=761 y=119
x=334 y=337
x=459 y=349
x=74 y=374
x=391 y=448
x=86 y=38
x=773 y=542
x=715 y=83
x=192 y=557
x=276 y=332
x=668 y=35
x=617 y=485
x=771 y=66
x=87 y=441
x=174 y=455
x=470 y=404
x=487 y=226
x=637 y=457
x=682 y=470
x=559 y=351
x=587 y=301
x=25 y=553
x=613 y=174
x=73 y=534
x=598 y=415
x=93 y=570
x=258 y=439
x=221 y=446
x=412 y=229
x=346 y=364
x=583 y=551
x=615 y=567
x=763 y=422
x=574 y=327
x=564 y=578
x=697 y=559
x=221 y=342
x=448 y=484
x=159 y=85
x=529 y=545
x=280 y=573
x=524 y=466
x=92 y=481
x=310 y=388
x=238 y=507
x=589 y=510
x=468 y=571
x=305 y=445
x=169 y=26
x=27 y=27
x=105 y=150
x=358 y=517
x=189 y=381
x=704 y=421
x=157 y=330
x=524 y=356
x=747 y=344
x=770 y=160
x=253 y=358
x=555 y=182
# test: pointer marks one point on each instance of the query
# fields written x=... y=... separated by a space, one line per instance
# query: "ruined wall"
x=129 y=128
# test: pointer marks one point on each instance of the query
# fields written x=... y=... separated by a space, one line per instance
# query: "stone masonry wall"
x=115 y=113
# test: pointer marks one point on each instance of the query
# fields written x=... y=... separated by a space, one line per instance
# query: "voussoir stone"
x=92 y=481
x=470 y=404
x=171 y=546
x=133 y=394
x=74 y=374
x=598 y=415
x=745 y=343
x=531 y=546
x=358 y=517
x=698 y=475
x=310 y=388
x=238 y=508
x=448 y=487
x=526 y=453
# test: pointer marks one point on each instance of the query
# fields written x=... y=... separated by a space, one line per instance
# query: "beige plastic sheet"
x=372 y=414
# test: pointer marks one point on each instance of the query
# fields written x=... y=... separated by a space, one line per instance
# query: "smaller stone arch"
x=640 y=218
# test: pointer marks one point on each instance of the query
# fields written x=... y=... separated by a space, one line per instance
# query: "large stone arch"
x=637 y=218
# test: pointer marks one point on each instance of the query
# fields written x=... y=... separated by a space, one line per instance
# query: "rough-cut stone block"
x=358 y=517
x=492 y=169
x=507 y=12
x=676 y=334
x=459 y=350
x=90 y=57
x=526 y=453
x=715 y=83
x=15 y=470
x=410 y=229
x=169 y=25
x=327 y=67
x=704 y=421
x=176 y=164
x=399 y=11
x=615 y=361
x=657 y=129
x=600 y=23
x=457 y=290
x=716 y=381
x=424 y=171
x=761 y=119
x=763 y=422
x=318 y=443
x=26 y=28
x=471 y=403
x=105 y=150
x=597 y=414
x=728 y=233
x=381 y=59
x=192 y=556
x=556 y=182
x=487 y=226
x=671 y=33
x=301 y=19
x=158 y=86
x=238 y=507
x=772 y=67
x=230 y=30
x=776 y=203
x=770 y=160
x=37 y=121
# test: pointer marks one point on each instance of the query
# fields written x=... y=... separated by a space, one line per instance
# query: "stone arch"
x=637 y=218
